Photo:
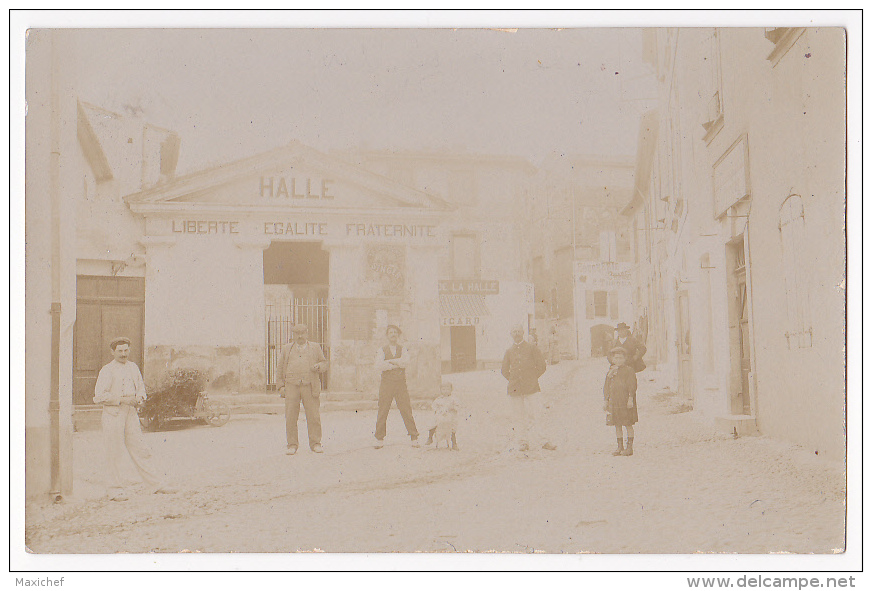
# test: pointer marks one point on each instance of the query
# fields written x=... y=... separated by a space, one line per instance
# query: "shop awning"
x=462 y=306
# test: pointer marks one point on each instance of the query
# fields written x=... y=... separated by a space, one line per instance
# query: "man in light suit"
x=523 y=365
x=299 y=381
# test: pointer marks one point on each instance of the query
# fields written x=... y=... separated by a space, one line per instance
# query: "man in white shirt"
x=392 y=360
x=119 y=389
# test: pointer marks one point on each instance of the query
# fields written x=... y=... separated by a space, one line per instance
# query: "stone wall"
x=227 y=369
x=352 y=370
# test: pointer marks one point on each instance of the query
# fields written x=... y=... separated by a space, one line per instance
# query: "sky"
x=232 y=93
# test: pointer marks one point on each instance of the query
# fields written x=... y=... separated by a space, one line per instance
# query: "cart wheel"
x=217 y=413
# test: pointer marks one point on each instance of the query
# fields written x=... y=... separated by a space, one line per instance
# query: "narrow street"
x=687 y=489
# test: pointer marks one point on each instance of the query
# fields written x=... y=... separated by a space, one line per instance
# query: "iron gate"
x=280 y=321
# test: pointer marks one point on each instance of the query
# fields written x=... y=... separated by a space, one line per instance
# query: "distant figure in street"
x=633 y=348
x=120 y=389
x=619 y=392
x=299 y=381
x=392 y=360
x=554 y=345
x=445 y=408
x=523 y=364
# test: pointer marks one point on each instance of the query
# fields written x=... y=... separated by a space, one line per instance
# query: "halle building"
x=210 y=270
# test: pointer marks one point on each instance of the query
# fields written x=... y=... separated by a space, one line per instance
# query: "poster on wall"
x=386 y=266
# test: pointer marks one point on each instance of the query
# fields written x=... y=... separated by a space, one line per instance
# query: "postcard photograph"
x=435 y=290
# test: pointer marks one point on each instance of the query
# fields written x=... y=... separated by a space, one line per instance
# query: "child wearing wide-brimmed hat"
x=619 y=392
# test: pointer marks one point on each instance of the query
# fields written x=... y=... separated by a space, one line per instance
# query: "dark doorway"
x=685 y=360
x=601 y=337
x=296 y=263
x=463 y=348
x=740 y=341
x=295 y=276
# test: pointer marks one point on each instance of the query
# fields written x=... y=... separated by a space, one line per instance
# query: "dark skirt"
x=622 y=416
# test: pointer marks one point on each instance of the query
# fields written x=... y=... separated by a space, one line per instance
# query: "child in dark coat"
x=619 y=392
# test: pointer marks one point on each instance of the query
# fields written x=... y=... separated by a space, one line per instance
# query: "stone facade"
x=486 y=239
x=739 y=211
x=227 y=369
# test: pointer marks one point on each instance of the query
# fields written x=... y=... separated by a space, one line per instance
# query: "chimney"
x=160 y=155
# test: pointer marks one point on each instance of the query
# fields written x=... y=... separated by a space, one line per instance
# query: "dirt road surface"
x=687 y=489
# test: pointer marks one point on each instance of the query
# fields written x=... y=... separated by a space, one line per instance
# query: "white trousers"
x=122 y=432
x=528 y=413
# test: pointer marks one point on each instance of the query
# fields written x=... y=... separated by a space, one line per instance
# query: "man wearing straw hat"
x=298 y=378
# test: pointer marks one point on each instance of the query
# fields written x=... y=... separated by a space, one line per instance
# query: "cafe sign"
x=603 y=276
x=460 y=321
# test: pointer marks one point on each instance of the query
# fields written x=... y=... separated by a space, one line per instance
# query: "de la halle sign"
x=469 y=286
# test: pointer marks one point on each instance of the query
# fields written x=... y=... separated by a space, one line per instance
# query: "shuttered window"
x=601 y=303
x=793 y=248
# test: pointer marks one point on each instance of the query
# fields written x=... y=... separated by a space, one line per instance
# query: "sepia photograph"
x=366 y=290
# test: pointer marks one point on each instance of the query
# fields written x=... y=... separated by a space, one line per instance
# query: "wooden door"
x=106 y=307
x=463 y=348
x=744 y=345
x=88 y=353
x=122 y=320
x=601 y=338
x=740 y=344
x=685 y=361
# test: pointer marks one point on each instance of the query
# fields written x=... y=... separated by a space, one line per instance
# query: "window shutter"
x=613 y=304
x=793 y=239
x=589 y=304
x=789 y=282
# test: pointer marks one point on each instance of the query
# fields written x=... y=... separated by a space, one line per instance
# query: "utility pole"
x=54 y=407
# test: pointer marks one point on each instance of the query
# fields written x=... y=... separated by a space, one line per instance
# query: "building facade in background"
x=580 y=249
x=739 y=219
x=484 y=270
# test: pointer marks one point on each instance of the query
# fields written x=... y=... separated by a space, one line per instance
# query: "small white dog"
x=445 y=409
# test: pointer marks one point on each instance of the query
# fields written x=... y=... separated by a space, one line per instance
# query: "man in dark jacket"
x=523 y=364
x=635 y=349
